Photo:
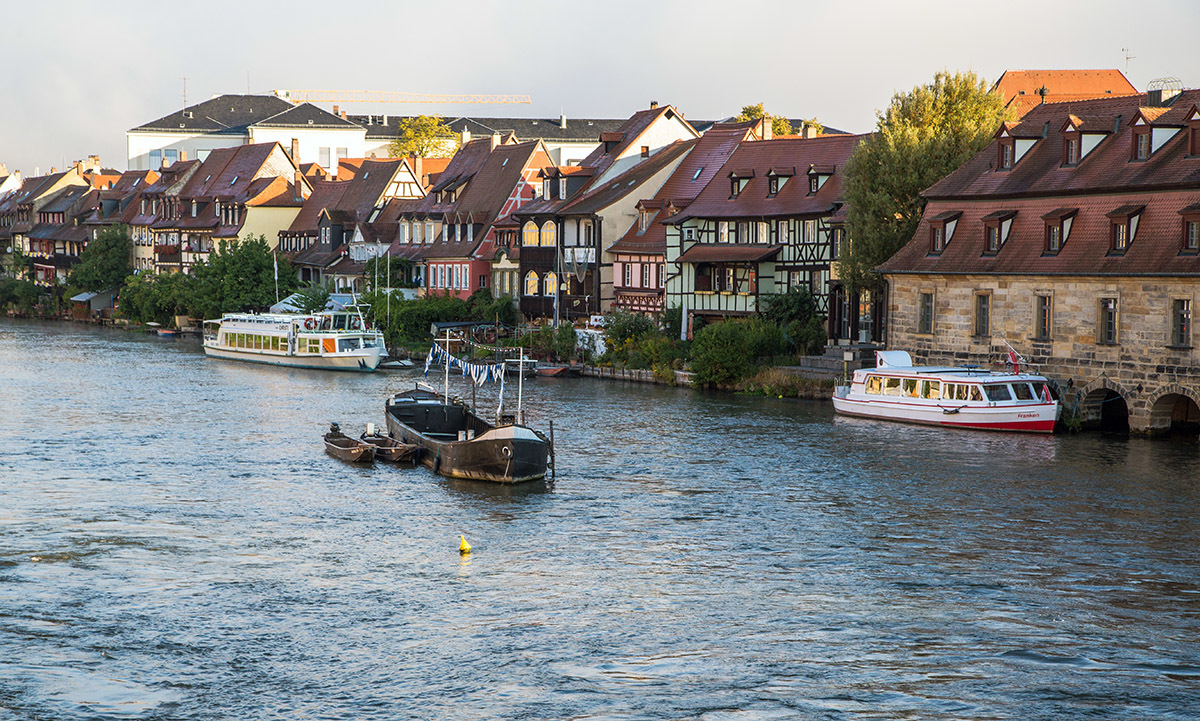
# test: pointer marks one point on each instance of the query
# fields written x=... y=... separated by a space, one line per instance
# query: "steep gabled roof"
x=1041 y=171
x=230 y=173
x=700 y=166
x=1020 y=88
x=628 y=182
x=759 y=158
x=225 y=114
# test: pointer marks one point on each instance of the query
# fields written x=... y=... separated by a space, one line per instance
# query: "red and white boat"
x=960 y=397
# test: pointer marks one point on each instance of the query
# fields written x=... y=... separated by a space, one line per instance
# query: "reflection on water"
x=174 y=543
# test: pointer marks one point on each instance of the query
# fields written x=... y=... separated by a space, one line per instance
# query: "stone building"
x=1074 y=238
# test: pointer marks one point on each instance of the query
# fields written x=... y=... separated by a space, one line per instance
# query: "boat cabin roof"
x=951 y=374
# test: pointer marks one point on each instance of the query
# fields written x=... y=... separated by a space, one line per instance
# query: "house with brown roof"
x=118 y=205
x=565 y=268
x=332 y=237
x=20 y=210
x=58 y=237
x=243 y=192
x=639 y=256
x=1074 y=238
x=1023 y=90
x=485 y=181
x=766 y=222
x=153 y=200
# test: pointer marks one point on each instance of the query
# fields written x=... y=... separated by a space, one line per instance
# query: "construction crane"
x=387 y=96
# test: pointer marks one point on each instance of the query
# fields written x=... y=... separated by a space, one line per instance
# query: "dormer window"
x=1057 y=229
x=645 y=151
x=562 y=188
x=1124 y=225
x=814 y=183
x=1006 y=154
x=996 y=228
x=546 y=188
x=1191 y=230
x=1141 y=143
x=1071 y=149
x=776 y=182
x=941 y=230
x=737 y=185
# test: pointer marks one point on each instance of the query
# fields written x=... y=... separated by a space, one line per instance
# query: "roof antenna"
x=185 y=92
x=1128 y=57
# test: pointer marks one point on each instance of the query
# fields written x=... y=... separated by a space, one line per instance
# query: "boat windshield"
x=346 y=344
x=997 y=392
x=1024 y=393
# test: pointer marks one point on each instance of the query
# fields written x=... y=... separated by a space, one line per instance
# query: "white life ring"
x=355 y=323
x=310 y=323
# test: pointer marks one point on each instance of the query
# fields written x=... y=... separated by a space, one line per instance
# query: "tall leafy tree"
x=239 y=277
x=104 y=263
x=424 y=135
x=779 y=124
x=921 y=137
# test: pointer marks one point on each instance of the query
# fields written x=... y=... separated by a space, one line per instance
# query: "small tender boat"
x=459 y=444
x=961 y=397
x=526 y=367
x=558 y=371
x=390 y=449
x=168 y=333
x=339 y=445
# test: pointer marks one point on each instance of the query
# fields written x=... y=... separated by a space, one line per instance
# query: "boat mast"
x=446 y=362
x=520 y=385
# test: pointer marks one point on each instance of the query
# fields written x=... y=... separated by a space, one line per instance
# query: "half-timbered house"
x=760 y=227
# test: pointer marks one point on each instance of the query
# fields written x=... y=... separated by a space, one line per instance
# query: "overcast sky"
x=80 y=73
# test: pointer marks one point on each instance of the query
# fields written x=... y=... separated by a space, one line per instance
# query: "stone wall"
x=1142 y=367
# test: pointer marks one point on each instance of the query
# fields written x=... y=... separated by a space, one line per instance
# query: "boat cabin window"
x=997 y=392
x=1038 y=389
x=1023 y=391
x=345 y=344
x=874 y=385
x=891 y=386
x=931 y=389
x=909 y=388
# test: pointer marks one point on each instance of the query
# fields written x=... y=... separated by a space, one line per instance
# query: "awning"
x=729 y=253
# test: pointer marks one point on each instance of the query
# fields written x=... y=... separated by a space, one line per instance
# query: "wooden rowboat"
x=390 y=449
x=346 y=448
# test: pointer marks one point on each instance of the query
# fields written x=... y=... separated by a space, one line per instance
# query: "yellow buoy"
x=463 y=547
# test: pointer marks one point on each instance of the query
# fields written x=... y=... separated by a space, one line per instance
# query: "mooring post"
x=553 y=464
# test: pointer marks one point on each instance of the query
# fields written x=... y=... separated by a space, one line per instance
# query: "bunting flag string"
x=479 y=373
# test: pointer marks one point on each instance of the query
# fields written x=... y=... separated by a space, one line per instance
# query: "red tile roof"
x=1105 y=186
x=1019 y=88
x=728 y=253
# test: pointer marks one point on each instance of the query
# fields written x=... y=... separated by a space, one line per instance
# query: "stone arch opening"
x=1175 y=413
x=1106 y=410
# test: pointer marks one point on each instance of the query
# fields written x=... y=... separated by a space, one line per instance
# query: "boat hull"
x=1032 y=418
x=500 y=454
x=350 y=450
x=365 y=360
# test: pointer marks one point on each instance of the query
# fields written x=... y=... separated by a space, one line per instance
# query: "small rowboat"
x=390 y=449
x=346 y=448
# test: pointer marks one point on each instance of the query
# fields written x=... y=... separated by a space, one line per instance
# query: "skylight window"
x=504 y=163
x=234 y=180
x=696 y=176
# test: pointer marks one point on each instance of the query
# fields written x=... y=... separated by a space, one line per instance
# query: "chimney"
x=809 y=132
x=298 y=186
x=385 y=120
x=343 y=116
x=653 y=104
x=562 y=121
x=296 y=152
x=183 y=155
x=466 y=136
x=495 y=140
x=1161 y=97
x=765 y=129
x=335 y=110
x=415 y=161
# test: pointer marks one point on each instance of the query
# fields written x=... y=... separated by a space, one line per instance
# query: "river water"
x=175 y=544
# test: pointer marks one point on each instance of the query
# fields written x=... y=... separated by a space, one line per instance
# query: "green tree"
x=104 y=263
x=378 y=269
x=313 y=296
x=924 y=135
x=425 y=135
x=239 y=277
x=796 y=313
x=727 y=352
x=779 y=124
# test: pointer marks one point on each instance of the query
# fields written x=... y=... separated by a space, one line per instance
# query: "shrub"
x=725 y=353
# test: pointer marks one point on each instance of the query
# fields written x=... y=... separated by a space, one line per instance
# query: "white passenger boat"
x=331 y=340
x=961 y=397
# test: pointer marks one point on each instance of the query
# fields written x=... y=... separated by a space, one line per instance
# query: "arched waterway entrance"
x=1105 y=410
x=1175 y=413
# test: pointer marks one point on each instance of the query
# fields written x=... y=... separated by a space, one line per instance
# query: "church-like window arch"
x=531 y=283
x=549 y=234
x=529 y=234
x=551 y=283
